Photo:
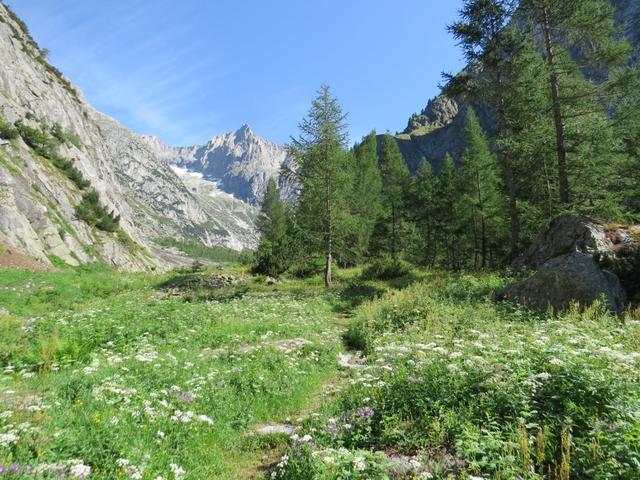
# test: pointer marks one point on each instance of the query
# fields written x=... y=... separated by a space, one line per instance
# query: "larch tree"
x=421 y=206
x=488 y=47
x=482 y=198
x=322 y=171
x=273 y=255
x=365 y=196
x=576 y=36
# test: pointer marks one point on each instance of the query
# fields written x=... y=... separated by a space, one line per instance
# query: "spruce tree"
x=319 y=153
x=482 y=203
x=395 y=183
x=365 y=196
x=273 y=255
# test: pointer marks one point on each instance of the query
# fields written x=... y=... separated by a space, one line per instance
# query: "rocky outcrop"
x=567 y=233
x=565 y=280
x=37 y=202
x=439 y=112
x=579 y=260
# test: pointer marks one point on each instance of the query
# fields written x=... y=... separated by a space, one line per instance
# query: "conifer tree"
x=448 y=213
x=319 y=153
x=576 y=36
x=488 y=47
x=422 y=201
x=273 y=255
x=482 y=200
x=395 y=183
x=365 y=196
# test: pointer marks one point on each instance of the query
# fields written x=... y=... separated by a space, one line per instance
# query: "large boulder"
x=579 y=259
x=567 y=233
x=572 y=278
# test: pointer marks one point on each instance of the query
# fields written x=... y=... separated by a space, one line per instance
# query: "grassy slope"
x=105 y=368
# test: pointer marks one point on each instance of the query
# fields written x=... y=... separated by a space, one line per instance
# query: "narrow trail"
x=273 y=436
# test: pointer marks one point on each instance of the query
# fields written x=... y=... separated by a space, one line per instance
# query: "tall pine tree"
x=273 y=255
x=365 y=197
x=447 y=213
x=488 y=47
x=575 y=36
x=421 y=206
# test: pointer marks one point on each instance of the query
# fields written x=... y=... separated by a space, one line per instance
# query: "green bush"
x=385 y=268
x=91 y=211
x=70 y=171
x=38 y=140
x=65 y=136
x=46 y=146
x=8 y=132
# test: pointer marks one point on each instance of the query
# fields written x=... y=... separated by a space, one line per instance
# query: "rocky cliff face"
x=240 y=162
x=37 y=207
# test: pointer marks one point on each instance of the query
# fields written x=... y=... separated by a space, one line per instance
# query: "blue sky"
x=187 y=70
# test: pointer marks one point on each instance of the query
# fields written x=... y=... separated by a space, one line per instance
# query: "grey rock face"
x=567 y=233
x=579 y=259
x=568 y=279
x=240 y=162
x=439 y=112
x=37 y=202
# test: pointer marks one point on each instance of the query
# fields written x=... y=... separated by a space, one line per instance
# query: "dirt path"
x=273 y=437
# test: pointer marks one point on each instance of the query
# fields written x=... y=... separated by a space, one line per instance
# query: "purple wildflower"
x=333 y=428
x=187 y=397
x=365 y=412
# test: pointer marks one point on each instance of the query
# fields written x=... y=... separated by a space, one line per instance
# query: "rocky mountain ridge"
x=38 y=203
x=240 y=162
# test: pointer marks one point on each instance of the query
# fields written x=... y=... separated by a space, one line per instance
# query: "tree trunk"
x=563 y=177
x=329 y=237
x=484 y=241
x=514 y=216
x=394 y=252
x=327 y=271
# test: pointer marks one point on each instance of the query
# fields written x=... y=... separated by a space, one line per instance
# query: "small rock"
x=271 y=281
x=350 y=360
x=277 y=428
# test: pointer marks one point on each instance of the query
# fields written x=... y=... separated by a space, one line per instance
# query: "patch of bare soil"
x=12 y=259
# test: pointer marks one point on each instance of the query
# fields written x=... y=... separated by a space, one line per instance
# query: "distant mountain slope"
x=37 y=206
x=240 y=162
